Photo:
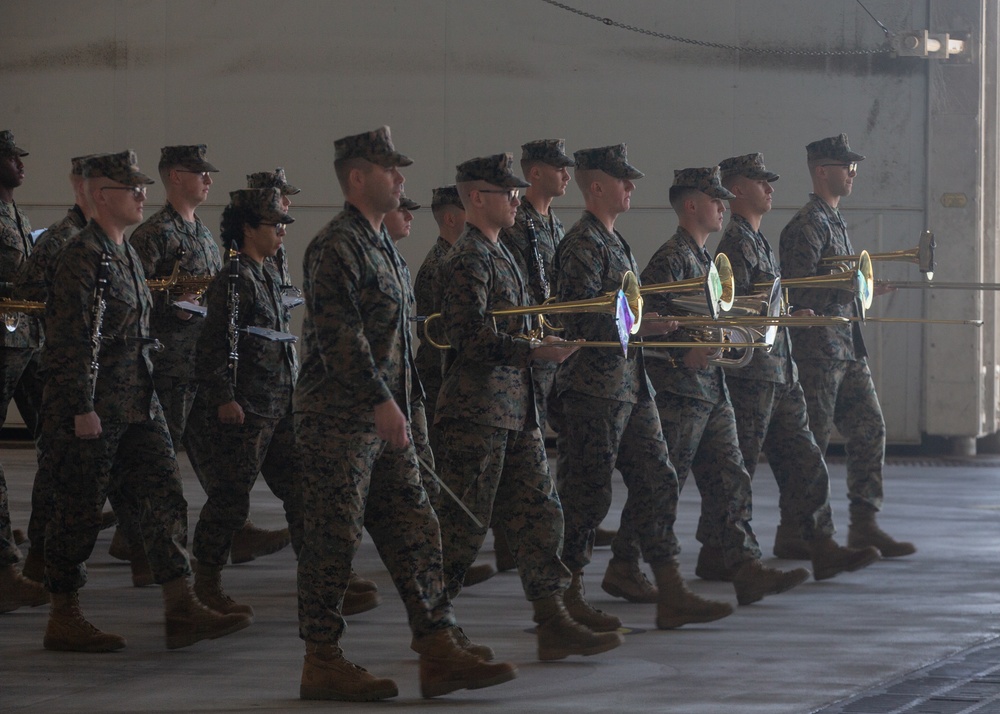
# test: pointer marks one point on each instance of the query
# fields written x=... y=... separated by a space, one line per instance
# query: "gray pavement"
x=798 y=652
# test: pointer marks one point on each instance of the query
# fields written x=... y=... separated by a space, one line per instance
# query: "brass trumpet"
x=10 y=309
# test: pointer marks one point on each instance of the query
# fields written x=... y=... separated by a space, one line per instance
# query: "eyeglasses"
x=136 y=191
x=852 y=167
x=278 y=227
x=203 y=175
x=512 y=193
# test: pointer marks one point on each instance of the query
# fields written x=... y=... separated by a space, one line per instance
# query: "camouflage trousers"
x=127 y=510
x=543 y=379
x=421 y=442
x=229 y=457
x=20 y=380
x=177 y=397
x=772 y=416
x=596 y=436
x=9 y=553
x=841 y=393
x=501 y=475
x=703 y=441
x=352 y=480
x=139 y=460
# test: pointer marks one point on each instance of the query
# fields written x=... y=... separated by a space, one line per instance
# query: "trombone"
x=859 y=279
x=921 y=254
x=718 y=287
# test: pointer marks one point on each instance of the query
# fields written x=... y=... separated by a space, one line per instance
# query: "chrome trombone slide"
x=921 y=254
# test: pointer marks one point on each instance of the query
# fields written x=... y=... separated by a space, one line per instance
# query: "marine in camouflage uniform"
x=609 y=417
x=766 y=395
x=693 y=402
x=449 y=213
x=105 y=420
x=18 y=362
x=159 y=241
x=352 y=408
x=832 y=361
x=243 y=407
x=536 y=232
x=33 y=282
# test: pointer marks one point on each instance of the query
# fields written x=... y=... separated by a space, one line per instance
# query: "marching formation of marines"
x=120 y=350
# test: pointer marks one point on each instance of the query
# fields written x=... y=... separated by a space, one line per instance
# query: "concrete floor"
x=796 y=652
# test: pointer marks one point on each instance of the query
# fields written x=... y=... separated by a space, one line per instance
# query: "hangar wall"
x=266 y=83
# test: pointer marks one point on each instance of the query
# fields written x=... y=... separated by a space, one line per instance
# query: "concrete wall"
x=267 y=83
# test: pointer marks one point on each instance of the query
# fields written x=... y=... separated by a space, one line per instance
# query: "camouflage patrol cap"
x=548 y=151
x=7 y=145
x=446 y=196
x=190 y=158
x=834 y=147
x=749 y=165
x=408 y=203
x=375 y=146
x=264 y=203
x=612 y=160
x=80 y=163
x=705 y=180
x=497 y=169
x=272 y=179
x=121 y=167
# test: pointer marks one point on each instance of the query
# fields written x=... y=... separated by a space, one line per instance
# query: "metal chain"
x=718 y=45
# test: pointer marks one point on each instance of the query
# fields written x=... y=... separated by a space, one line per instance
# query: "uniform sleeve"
x=802 y=246
x=337 y=277
x=214 y=378
x=465 y=301
x=68 y=327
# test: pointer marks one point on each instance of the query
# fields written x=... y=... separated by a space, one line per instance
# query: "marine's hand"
x=390 y=424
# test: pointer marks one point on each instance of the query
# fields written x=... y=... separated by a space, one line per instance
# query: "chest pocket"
x=506 y=274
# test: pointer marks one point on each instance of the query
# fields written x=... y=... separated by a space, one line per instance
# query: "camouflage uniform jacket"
x=124 y=380
x=753 y=261
x=427 y=289
x=680 y=258
x=817 y=231
x=590 y=262
x=264 y=370
x=157 y=241
x=488 y=377
x=34 y=279
x=15 y=247
x=548 y=232
x=356 y=342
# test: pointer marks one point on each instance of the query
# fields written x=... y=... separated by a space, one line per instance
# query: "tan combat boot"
x=17 y=591
x=582 y=611
x=356 y=602
x=34 y=565
x=483 y=652
x=188 y=621
x=68 y=631
x=120 y=548
x=251 y=542
x=446 y=667
x=679 y=606
x=560 y=636
x=788 y=543
x=478 y=573
x=603 y=537
x=625 y=579
x=864 y=532
x=361 y=585
x=754 y=580
x=208 y=589
x=327 y=674
x=711 y=565
x=829 y=558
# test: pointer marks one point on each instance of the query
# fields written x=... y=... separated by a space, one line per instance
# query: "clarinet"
x=536 y=258
x=96 y=320
x=233 y=330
